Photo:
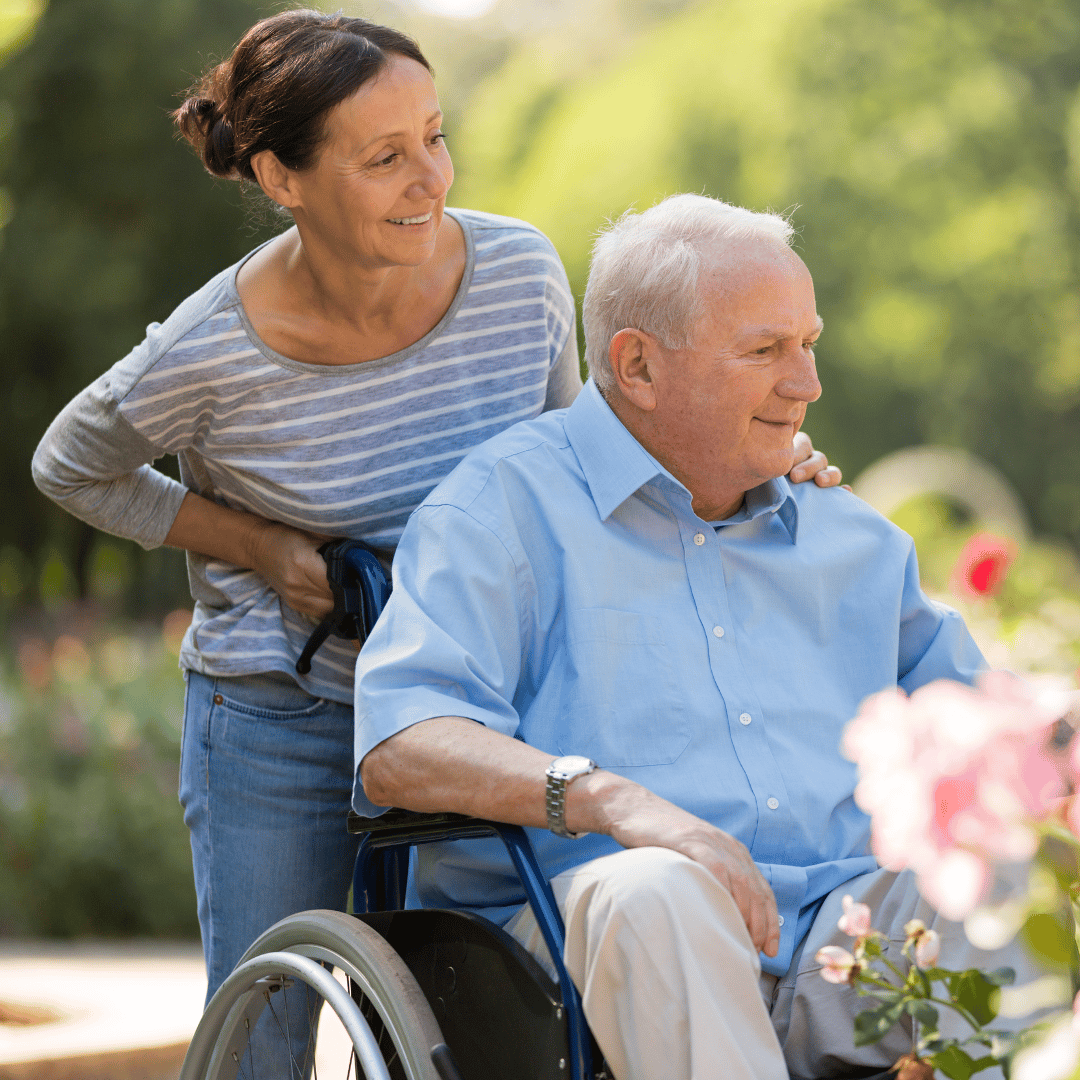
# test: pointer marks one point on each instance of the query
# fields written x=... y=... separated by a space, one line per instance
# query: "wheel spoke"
x=293 y=1066
x=282 y=1031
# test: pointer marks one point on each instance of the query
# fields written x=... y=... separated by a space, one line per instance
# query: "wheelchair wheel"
x=371 y=1006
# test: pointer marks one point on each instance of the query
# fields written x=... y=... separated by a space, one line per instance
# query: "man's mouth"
x=411 y=220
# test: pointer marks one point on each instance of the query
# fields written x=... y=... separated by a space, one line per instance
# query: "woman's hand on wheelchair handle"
x=812 y=463
x=289 y=559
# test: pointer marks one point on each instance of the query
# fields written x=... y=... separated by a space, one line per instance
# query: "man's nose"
x=801 y=381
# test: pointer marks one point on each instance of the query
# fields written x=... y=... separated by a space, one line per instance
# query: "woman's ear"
x=631 y=353
x=277 y=182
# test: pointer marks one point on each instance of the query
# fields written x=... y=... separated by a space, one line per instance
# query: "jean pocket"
x=266 y=697
x=620 y=702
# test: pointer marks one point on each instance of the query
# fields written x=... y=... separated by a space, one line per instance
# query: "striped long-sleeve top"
x=340 y=450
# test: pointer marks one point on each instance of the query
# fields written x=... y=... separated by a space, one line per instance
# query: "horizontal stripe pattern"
x=345 y=451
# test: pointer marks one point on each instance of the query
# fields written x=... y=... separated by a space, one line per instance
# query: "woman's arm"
x=96 y=466
x=288 y=558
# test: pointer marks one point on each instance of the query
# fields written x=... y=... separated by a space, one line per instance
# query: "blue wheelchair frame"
x=381 y=875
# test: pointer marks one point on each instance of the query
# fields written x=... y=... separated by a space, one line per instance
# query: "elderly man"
x=619 y=625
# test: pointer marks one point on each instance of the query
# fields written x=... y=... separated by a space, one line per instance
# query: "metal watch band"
x=555 y=799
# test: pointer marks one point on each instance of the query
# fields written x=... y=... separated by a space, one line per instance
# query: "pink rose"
x=954 y=778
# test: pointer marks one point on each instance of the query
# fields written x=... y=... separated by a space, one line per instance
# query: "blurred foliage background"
x=930 y=151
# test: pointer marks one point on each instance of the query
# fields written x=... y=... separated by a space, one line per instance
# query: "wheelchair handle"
x=360 y=589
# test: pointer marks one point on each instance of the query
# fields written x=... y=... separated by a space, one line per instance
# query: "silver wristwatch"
x=560 y=773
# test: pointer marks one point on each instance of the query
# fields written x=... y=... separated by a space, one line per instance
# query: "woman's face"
x=377 y=189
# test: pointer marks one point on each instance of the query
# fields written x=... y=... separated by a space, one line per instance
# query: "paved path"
x=118 y=1011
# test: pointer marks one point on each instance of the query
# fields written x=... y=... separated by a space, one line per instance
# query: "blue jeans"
x=265 y=781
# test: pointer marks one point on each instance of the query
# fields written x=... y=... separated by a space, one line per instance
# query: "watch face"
x=573 y=765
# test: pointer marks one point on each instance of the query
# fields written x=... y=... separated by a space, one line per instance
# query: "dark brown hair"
x=275 y=90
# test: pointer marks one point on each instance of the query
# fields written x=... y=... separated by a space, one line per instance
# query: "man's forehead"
x=760 y=289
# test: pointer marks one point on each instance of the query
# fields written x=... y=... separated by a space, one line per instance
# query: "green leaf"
x=1002 y=976
x=874 y=1024
x=924 y=1012
x=954 y=1063
x=973 y=991
x=1049 y=939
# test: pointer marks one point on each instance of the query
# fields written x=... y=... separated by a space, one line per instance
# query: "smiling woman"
x=319 y=388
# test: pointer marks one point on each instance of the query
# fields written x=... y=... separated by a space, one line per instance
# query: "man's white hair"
x=646 y=267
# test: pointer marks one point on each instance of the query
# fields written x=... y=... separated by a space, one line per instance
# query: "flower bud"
x=927 y=949
x=837 y=965
x=855 y=922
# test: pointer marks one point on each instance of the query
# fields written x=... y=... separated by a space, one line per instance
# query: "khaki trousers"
x=672 y=985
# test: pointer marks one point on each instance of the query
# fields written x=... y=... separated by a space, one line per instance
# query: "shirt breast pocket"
x=620 y=703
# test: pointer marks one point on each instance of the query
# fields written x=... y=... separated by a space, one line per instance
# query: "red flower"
x=982 y=565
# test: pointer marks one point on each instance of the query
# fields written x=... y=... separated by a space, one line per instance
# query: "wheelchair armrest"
x=397 y=827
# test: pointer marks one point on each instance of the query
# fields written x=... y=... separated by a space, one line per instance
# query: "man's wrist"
x=588 y=801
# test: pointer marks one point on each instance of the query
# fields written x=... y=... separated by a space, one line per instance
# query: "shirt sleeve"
x=934 y=641
x=96 y=466
x=450 y=640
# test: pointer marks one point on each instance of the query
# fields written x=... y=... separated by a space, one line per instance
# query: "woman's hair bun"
x=203 y=123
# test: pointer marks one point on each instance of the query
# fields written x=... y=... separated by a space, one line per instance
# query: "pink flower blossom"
x=927 y=949
x=954 y=778
x=837 y=965
x=855 y=922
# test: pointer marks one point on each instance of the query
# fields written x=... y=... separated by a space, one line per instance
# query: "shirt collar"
x=772 y=497
x=616 y=465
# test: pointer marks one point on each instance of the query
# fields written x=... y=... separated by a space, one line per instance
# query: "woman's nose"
x=429 y=178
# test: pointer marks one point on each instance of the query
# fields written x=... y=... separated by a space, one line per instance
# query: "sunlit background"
x=930 y=153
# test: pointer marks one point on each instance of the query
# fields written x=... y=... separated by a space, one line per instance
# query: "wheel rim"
x=233 y=1014
x=378 y=988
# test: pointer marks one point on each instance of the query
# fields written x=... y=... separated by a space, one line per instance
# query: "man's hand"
x=635 y=817
x=812 y=463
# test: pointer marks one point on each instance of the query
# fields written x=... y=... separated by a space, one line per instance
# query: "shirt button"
x=781 y=920
x=773 y=804
x=699 y=539
x=718 y=631
x=745 y=719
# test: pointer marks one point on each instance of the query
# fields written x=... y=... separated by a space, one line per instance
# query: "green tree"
x=111 y=222
x=933 y=147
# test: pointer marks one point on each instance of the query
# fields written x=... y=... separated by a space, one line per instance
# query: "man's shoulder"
x=840 y=515
x=513 y=461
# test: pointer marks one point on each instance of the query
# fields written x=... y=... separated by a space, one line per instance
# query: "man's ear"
x=631 y=353
x=277 y=182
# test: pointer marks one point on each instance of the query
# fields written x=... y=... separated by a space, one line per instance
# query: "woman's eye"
x=386 y=160
x=436 y=137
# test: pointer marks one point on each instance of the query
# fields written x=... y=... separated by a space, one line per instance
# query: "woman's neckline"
x=377 y=362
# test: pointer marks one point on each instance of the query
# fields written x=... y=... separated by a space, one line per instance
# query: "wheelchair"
x=426 y=994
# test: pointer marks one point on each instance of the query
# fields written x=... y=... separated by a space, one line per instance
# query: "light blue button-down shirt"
x=558 y=587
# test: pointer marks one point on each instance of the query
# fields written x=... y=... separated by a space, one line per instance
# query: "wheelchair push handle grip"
x=360 y=589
